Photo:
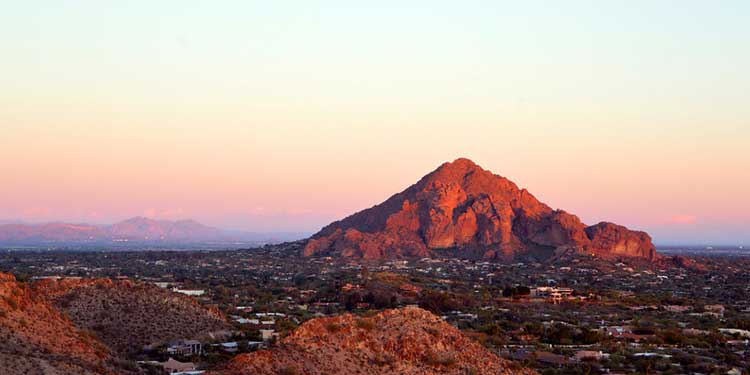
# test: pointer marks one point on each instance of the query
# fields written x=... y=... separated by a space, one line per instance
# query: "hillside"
x=38 y=339
x=401 y=341
x=126 y=315
x=463 y=210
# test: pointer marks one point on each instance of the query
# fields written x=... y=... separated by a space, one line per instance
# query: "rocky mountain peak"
x=461 y=209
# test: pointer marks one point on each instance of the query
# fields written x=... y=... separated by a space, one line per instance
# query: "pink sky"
x=282 y=116
x=298 y=178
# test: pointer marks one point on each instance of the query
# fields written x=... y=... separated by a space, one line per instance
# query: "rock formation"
x=406 y=341
x=461 y=209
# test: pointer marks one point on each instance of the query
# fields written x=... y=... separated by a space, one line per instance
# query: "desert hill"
x=463 y=210
x=400 y=341
x=38 y=339
x=127 y=315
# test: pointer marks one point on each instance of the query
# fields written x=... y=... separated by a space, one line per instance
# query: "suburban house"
x=185 y=348
x=268 y=334
x=171 y=366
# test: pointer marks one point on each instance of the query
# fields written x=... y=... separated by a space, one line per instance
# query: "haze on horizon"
x=285 y=116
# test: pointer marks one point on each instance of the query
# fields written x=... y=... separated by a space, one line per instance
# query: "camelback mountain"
x=406 y=341
x=463 y=210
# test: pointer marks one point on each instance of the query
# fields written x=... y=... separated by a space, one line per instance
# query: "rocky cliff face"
x=405 y=341
x=461 y=209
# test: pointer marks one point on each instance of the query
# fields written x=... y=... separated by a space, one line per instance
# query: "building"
x=553 y=294
x=172 y=366
x=268 y=334
x=590 y=355
x=185 y=348
x=716 y=309
x=229 y=347
x=677 y=308
x=189 y=292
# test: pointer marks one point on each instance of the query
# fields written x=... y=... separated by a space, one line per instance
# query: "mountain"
x=401 y=341
x=50 y=232
x=461 y=209
x=137 y=229
x=145 y=229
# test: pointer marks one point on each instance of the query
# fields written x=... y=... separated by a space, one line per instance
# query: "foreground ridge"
x=400 y=341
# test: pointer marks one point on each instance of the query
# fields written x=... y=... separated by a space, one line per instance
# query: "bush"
x=12 y=303
x=441 y=359
x=333 y=327
x=384 y=359
x=366 y=324
x=433 y=331
x=289 y=370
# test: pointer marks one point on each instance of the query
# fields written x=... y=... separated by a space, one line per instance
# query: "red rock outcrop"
x=461 y=209
x=406 y=341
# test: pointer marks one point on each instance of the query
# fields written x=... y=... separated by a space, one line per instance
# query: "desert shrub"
x=289 y=370
x=433 y=331
x=12 y=303
x=333 y=327
x=384 y=359
x=441 y=359
x=366 y=324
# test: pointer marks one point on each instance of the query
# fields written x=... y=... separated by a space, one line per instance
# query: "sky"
x=286 y=115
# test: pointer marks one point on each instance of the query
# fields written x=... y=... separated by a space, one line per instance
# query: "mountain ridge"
x=138 y=228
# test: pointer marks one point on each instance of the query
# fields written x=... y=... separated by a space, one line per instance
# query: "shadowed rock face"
x=464 y=210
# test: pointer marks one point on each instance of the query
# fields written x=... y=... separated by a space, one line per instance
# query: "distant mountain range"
x=136 y=230
x=463 y=210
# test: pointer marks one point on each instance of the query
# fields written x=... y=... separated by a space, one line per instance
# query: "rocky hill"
x=463 y=210
x=126 y=315
x=38 y=339
x=403 y=341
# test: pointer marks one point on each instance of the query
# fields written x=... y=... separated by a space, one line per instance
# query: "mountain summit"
x=463 y=210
